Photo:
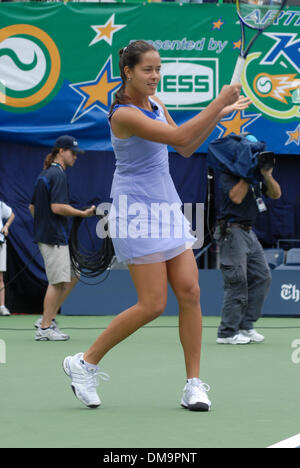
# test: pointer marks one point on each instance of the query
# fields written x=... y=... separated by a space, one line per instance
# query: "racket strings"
x=256 y=13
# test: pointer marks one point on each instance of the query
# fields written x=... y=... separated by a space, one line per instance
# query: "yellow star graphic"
x=106 y=31
x=99 y=91
x=237 y=45
x=217 y=24
x=234 y=125
x=295 y=135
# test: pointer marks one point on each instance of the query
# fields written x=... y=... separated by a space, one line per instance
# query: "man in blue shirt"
x=246 y=274
x=50 y=208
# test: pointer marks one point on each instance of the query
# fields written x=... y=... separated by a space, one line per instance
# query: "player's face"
x=146 y=74
x=69 y=157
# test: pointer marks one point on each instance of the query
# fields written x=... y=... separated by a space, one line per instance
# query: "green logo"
x=188 y=83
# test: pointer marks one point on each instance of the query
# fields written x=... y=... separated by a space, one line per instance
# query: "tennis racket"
x=257 y=15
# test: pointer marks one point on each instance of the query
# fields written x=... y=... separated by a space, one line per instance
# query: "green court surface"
x=255 y=389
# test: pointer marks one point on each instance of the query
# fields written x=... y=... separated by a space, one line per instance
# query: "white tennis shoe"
x=84 y=380
x=50 y=334
x=253 y=335
x=237 y=339
x=195 y=395
x=4 y=311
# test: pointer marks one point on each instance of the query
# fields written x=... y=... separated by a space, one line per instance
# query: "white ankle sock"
x=88 y=365
x=190 y=381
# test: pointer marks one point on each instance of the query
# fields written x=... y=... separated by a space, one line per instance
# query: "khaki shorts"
x=57 y=263
x=3 y=257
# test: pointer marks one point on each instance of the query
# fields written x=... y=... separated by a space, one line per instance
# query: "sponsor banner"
x=290 y=292
x=212 y=287
x=284 y=296
x=188 y=83
x=59 y=69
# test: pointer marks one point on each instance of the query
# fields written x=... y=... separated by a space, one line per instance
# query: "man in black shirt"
x=246 y=274
x=50 y=208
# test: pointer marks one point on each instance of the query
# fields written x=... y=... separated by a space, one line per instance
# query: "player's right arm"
x=128 y=121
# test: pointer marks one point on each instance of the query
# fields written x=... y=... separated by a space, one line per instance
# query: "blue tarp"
x=236 y=155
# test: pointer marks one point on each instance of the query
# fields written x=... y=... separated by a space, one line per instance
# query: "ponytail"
x=50 y=158
x=120 y=97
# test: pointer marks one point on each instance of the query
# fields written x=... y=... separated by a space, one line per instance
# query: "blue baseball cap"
x=68 y=142
x=251 y=138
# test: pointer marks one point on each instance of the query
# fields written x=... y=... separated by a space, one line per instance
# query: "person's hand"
x=241 y=104
x=230 y=94
x=5 y=231
x=89 y=212
x=266 y=173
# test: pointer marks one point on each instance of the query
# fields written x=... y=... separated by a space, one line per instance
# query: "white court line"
x=292 y=442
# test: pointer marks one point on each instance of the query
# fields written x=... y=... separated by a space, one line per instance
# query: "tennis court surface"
x=254 y=389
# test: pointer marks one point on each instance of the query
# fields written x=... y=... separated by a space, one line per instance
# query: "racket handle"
x=237 y=74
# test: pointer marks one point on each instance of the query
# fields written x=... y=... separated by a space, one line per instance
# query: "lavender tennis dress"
x=146 y=222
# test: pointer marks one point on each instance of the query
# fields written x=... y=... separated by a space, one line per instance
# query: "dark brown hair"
x=130 y=56
x=51 y=157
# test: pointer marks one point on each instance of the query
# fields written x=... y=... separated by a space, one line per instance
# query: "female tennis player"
x=141 y=129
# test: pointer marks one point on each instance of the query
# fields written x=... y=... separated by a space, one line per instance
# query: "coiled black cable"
x=90 y=263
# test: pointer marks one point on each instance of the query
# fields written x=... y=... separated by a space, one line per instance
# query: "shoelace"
x=200 y=391
x=204 y=386
x=57 y=331
x=201 y=386
x=93 y=379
